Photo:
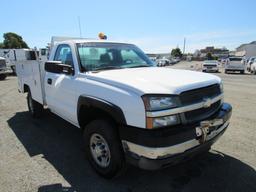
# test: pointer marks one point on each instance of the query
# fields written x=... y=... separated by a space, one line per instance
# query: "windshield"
x=103 y=56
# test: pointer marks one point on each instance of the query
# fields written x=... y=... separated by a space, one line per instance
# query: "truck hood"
x=154 y=80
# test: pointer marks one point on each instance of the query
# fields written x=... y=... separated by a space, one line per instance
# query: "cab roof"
x=75 y=41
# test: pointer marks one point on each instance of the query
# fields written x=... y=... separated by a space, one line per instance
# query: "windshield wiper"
x=137 y=66
x=107 y=68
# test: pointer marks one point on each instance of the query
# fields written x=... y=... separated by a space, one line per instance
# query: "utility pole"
x=79 y=25
x=184 y=46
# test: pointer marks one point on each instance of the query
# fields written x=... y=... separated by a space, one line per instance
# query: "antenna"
x=79 y=25
x=184 y=45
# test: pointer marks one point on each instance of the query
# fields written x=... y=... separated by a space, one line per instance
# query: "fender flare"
x=89 y=101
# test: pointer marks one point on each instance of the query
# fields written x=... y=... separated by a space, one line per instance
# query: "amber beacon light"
x=102 y=36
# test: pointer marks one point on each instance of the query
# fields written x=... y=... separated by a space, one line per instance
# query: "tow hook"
x=204 y=129
x=201 y=133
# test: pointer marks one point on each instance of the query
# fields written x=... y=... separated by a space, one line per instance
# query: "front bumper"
x=210 y=69
x=234 y=68
x=155 y=149
x=5 y=71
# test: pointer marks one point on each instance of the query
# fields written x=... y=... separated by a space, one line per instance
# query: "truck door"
x=59 y=95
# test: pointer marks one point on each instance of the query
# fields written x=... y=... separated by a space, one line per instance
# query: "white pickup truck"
x=235 y=64
x=129 y=109
x=4 y=69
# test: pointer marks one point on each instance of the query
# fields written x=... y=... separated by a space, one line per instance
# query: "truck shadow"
x=61 y=145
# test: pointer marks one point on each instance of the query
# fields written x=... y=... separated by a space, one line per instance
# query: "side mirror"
x=58 y=67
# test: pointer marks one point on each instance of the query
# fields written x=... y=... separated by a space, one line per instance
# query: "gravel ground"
x=46 y=155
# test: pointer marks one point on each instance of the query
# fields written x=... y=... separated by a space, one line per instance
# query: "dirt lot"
x=46 y=155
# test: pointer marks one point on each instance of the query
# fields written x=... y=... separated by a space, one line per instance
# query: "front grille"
x=210 y=65
x=202 y=113
x=197 y=95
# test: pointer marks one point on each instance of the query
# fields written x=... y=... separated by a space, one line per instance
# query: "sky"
x=154 y=25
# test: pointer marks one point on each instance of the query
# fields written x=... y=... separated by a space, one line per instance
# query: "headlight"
x=156 y=122
x=158 y=103
x=155 y=103
x=221 y=87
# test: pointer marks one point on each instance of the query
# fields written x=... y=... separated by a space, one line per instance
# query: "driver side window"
x=64 y=55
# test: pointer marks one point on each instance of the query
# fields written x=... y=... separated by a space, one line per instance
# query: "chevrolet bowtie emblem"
x=207 y=102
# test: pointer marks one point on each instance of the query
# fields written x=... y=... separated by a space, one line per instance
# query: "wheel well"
x=26 y=88
x=87 y=114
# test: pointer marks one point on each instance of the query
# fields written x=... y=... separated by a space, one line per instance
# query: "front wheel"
x=2 y=76
x=103 y=148
x=34 y=107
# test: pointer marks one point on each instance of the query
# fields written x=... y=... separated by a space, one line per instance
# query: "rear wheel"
x=34 y=107
x=242 y=72
x=226 y=71
x=103 y=148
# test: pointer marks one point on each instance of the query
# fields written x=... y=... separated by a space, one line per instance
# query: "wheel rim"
x=100 y=150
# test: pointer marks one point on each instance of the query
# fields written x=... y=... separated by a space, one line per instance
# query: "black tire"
x=107 y=130
x=3 y=76
x=34 y=107
x=226 y=71
x=242 y=72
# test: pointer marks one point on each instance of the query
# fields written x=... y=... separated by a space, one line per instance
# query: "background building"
x=216 y=52
x=248 y=50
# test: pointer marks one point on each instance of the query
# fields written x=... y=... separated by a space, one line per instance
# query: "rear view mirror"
x=58 y=67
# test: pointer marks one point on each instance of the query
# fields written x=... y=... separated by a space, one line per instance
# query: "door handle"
x=49 y=81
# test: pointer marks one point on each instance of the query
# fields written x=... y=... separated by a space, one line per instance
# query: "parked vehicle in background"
x=223 y=62
x=253 y=67
x=4 y=70
x=249 y=63
x=174 y=60
x=210 y=66
x=163 y=62
x=13 y=56
x=235 y=64
x=128 y=109
x=153 y=59
x=177 y=59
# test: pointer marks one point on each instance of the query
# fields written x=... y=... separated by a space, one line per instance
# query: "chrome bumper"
x=163 y=152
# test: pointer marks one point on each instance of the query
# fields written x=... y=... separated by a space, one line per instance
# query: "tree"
x=13 y=41
x=209 y=56
x=176 y=52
